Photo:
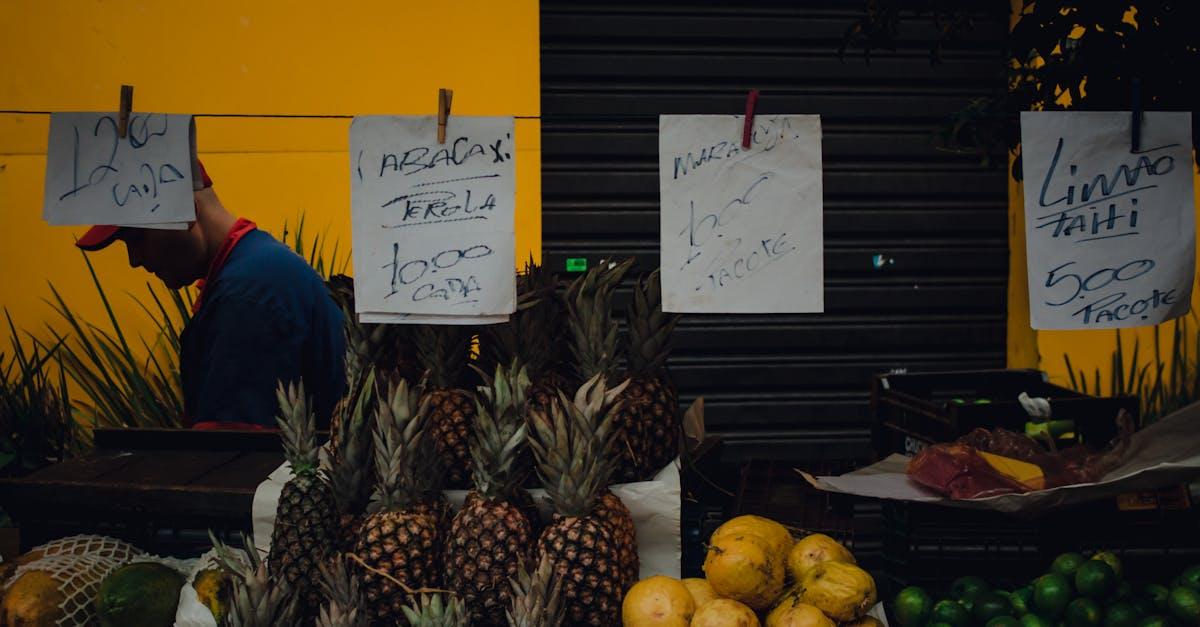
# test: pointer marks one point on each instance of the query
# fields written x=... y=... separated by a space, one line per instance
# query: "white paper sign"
x=741 y=229
x=433 y=223
x=1110 y=233
x=93 y=176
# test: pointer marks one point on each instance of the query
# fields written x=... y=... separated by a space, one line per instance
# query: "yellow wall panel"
x=263 y=57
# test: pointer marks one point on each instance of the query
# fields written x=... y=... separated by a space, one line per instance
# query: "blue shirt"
x=266 y=317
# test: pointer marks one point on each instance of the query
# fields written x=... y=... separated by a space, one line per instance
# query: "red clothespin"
x=748 y=125
x=444 y=98
x=124 y=110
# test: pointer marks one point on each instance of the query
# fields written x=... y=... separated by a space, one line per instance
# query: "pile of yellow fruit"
x=755 y=567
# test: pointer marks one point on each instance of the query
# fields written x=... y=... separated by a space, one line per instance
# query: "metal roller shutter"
x=936 y=220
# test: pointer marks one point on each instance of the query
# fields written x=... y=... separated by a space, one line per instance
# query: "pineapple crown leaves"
x=536 y=596
x=343 y=599
x=593 y=329
x=574 y=443
x=298 y=429
x=402 y=444
x=650 y=329
x=531 y=332
x=258 y=600
x=434 y=611
x=349 y=472
x=443 y=350
x=499 y=433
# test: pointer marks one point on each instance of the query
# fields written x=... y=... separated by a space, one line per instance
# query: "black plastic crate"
x=931 y=545
x=914 y=410
x=729 y=480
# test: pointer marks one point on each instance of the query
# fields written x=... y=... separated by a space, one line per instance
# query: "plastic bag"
x=191 y=612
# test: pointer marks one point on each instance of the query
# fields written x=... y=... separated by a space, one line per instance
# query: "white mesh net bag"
x=77 y=564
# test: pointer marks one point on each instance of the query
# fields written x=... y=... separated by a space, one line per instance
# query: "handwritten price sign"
x=1110 y=232
x=741 y=228
x=93 y=176
x=433 y=223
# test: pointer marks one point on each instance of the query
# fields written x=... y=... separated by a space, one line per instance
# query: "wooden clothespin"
x=445 y=96
x=748 y=125
x=1135 y=130
x=126 y=108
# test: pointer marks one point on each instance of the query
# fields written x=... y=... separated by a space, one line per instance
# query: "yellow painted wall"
x=1088 y=350
x=261 y=57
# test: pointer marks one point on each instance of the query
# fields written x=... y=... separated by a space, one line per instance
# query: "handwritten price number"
x=450 y=288
x=1097 y=280
x=141 y=131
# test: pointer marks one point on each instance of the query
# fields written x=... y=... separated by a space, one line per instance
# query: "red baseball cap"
x=102 y=235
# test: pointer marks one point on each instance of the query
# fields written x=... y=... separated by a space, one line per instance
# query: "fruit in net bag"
x=145 y=594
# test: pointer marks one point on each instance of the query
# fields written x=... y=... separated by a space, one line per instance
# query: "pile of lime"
x=1076 y=592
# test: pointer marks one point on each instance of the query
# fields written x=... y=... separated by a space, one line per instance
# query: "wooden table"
x=159 y=488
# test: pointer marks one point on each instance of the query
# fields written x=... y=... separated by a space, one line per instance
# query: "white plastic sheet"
x=1165 y=453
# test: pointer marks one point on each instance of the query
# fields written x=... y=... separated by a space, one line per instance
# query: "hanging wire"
x=317 y=116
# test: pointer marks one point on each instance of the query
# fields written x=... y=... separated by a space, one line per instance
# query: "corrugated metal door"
x=915 y=238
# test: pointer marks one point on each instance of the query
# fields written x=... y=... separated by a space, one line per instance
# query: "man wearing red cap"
x=262 y=315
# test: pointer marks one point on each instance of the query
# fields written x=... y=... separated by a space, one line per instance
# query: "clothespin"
x=123 y=112
x=748 y=125
x=444 y=98
x=1135 y=131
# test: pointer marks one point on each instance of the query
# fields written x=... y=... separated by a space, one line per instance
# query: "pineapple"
x=351 y=474
x=443 y=351
x=613 y=512
x=491 y=535
x=305 y=519
x=594 y=335
x=536 y=597
x=651 y=396
x=594 y=344
x=385 y=348
x=398 y=547
x=343 y=607
x=573 y=444
x=257 y=599
x=533 y=334
x=431 y=611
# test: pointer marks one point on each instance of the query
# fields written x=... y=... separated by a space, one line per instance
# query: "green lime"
x=1190 y=577
x=913 y=607
x=968 y=587
x=1157 y=596
x=1157 y=620
x=1095 y=579
x=1004 y=621
x=968 y=604
x=1051 y=594
x=1123 y=592
x=989 y=605
x=1084 y=613
x=1111 y=559
x=1022 y=601
x=1121 y=615
x=1067 y=563
x=1184 y=603
x=1033 y=620
x=1143 y=606
x=950 y=612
